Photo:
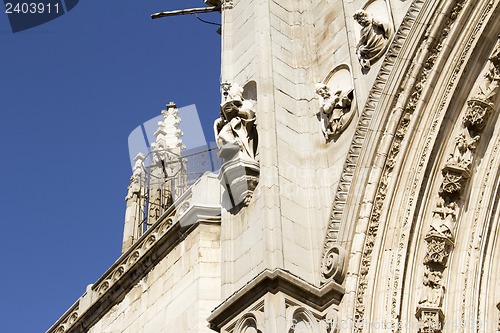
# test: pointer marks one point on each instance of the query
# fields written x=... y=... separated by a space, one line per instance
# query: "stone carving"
x=375 y=35
x=250 y=322
x=477 y=113
x=335 y=111
x=480 y=107
x=237 y=139
x=453 y=181
x=235 y=130
x=430 y=319
x=302 y=320
x=438 y=250
x=333 y=266
x=498 y=325
x=456 y=172
x=457 y=168
x=461 y=157
x=492 y=76
x=434 y=290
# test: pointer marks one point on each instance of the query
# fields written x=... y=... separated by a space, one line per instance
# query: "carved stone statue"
x=374 y=37
x=492 y=76
x=236 y=136
x=335 y=111
x=235 y=130
x=461 y=157
x=434 y=291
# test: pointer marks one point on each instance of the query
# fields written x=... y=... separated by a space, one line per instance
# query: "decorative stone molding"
x=405 y=106
x=456 y=172
x=239 y=178
x=319 y=300
x=438 y=251
x=250 y=322
x=301 y=320
x=334 y=265
x=237 y=139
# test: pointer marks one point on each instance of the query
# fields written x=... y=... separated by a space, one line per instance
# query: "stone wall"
x=177 y=295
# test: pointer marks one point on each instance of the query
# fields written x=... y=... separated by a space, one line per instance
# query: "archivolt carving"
x=405 y=107
x=362 y=129
x=456 y=172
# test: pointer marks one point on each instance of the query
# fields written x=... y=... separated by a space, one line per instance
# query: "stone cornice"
x=319 y=298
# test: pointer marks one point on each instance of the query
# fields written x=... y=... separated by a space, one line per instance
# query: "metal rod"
x=186 y=11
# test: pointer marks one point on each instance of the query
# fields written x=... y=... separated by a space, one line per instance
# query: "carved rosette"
x=438 y=250
x=453 y=180
x=477 y=114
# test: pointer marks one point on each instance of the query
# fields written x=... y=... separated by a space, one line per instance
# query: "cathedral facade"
x=358 y=189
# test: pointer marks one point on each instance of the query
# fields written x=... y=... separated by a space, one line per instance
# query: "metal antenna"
x=189 y=11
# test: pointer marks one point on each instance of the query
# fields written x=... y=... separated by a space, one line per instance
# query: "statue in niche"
x=336 y=111
x=374 y=38
x=235 y=131
x=461 y=157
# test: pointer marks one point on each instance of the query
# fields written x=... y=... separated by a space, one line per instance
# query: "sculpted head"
x=362 y=17
x=322 y=90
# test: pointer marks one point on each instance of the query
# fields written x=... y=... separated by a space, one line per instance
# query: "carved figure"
x=461 y=156
x=492 y=76
x=375 y=35
x=335 y=111
x=434 y=291
x=235 y=130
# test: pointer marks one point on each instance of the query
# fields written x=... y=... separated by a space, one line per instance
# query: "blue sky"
x=71 y=91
